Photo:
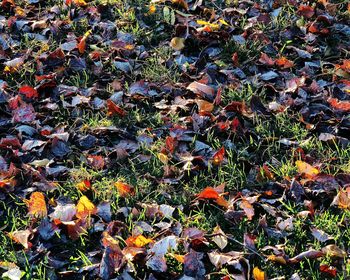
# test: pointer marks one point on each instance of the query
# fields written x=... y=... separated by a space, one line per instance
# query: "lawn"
x=174 y=139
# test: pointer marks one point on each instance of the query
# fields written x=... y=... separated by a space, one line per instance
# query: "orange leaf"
x=138 y=241
x=258 y=274
x=85 y=208
x=306 y=11
x=330 y=270
x=306 y=169
x=219 y=156
x=152 y=9
x=114 y=109
x=204 y=106
x=247 y=208
x=284 y=63
x=80 y=3
x=208 y=193
x=83 y=185
x=124 y=189
x=82 y=43
x=37 y=205
x=277 y=259
x=339 y=105
x=222 y=202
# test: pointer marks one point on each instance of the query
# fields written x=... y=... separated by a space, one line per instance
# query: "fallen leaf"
x=28 y=91
x=138 y=241
x=37 y=205
x=114 y=109
x=85 y=208
x=208 y=193
x=177 y=43
x=284 y=63
x=124 y=190
x=306 y=169
x=218 y=157
x=258 y=274
x=328 y=270
x=21 y=237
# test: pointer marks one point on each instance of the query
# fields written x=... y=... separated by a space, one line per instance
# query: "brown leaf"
x=266 y=60
x=339 y=105
x=114 y=109
x=310 y=254
x=306 y=11
x=247 y=208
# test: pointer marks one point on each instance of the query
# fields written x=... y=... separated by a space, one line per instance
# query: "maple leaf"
x=85 y=208
x=37 y=205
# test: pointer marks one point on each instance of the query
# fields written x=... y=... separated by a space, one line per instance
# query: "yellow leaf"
x=85 y=208
x=277 y=259
x=223 y=22
x=152 y=9
x=258 y=274
x=306 y=169
x=163 y=158
x=138 y=241
x=177 y=43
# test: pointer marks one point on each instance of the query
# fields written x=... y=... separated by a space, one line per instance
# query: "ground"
x=174 y=139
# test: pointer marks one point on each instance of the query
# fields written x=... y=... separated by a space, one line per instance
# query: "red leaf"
x=208 y=193
x=170 y=143
x=339 y=105
x=219 y=156
x=114 y=109
x=28 y=91
x=306 y=11
x=235 y=59
x=329 y=270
